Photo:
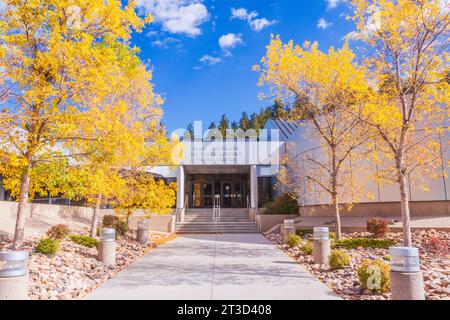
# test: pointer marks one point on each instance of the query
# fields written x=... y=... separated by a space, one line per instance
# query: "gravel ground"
x=434 y=259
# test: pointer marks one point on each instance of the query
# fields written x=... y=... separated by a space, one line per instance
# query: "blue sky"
x=202 y=52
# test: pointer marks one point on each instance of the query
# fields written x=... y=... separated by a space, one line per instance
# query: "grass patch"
x=84 y=240
x=48 y=246
x=307 y=248
x=354 y=243
x=292 y=240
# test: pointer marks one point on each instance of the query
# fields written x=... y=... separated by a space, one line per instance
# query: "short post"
x=13 y=275
x=406 y=277
x=107 y=247
x=288 y=228
x=142 y=232
x=321 y=245
x=172 y=224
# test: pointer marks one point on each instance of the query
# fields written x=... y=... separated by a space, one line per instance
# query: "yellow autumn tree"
x=142 y=191
x=126 y=134
x=322 y=89
x=57 y=58
x=408 y=45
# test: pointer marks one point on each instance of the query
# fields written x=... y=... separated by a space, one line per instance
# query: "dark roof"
x=287 y=128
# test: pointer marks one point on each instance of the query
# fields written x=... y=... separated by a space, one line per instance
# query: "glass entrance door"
x=232 y=189
x=202 y=194
x=227 y=194
x=207 y=194
x=238 y=199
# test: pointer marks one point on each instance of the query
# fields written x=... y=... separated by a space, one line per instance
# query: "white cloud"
x=176 y=16
x=230 y=41
x=210 y=60
x=259 y=24
x=331 y=4
x=323 y=24
x=151 y=34
x=240 y=13
x=256 y=24
x=166 y=43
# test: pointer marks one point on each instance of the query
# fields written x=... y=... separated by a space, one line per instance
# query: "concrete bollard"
x=406 y=277
x=142 y=232
x=107 y=247
x=321 y=251
x=13 y=275
x=321 y=245
x=287 y=228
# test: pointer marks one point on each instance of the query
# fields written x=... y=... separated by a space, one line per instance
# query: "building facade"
x=241 y=171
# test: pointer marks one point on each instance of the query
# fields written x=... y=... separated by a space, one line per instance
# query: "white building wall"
x=300 y=142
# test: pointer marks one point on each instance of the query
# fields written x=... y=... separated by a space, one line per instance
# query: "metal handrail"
x=256 y=220
x=216 y=208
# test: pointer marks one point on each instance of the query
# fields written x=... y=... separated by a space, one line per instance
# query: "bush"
x=48 y=246
x=292 y=240
x=374 y=275
x=353 y=243
x=307 y=248
x=284 y=204
x=332 y=235
x=303 y=232
x=378 y=227
x=84 y=240
x=112 y=221
x=437 y=246
x=339 y=259
x=59 y=231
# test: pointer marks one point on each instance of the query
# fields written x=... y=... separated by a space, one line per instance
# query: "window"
x=265 y=190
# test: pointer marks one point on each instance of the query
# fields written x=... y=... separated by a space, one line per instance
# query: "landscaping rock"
x=74 y=271
x=435 y=265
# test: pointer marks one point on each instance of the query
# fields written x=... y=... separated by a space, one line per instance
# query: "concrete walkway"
x=228 y=266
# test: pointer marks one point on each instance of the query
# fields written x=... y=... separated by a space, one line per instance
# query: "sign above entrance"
x=230 y=152
x=234 y=147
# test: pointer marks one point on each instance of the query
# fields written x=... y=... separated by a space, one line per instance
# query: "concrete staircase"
x=201 y=221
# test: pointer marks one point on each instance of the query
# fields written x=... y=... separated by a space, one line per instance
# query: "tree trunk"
x=337 y=217
x=404 y=202
x=128 y=216
x=95 y=215
x=21 y=214
x=334 y=193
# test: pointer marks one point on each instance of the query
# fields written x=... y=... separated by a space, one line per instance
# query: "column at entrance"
x=253 y=193
x=180 y=194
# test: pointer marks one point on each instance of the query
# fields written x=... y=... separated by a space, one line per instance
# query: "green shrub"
x=332 y=235
x=303 y=232
x=374 y=275
x=387 y=257
x=339 y=259
x=84 y=240
x=48 y=246
x=292 y=240
x=307 y=248
x=378 y=227
x=353 y=243
x=114 y=222
x=59 y=232
x=284 y=204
